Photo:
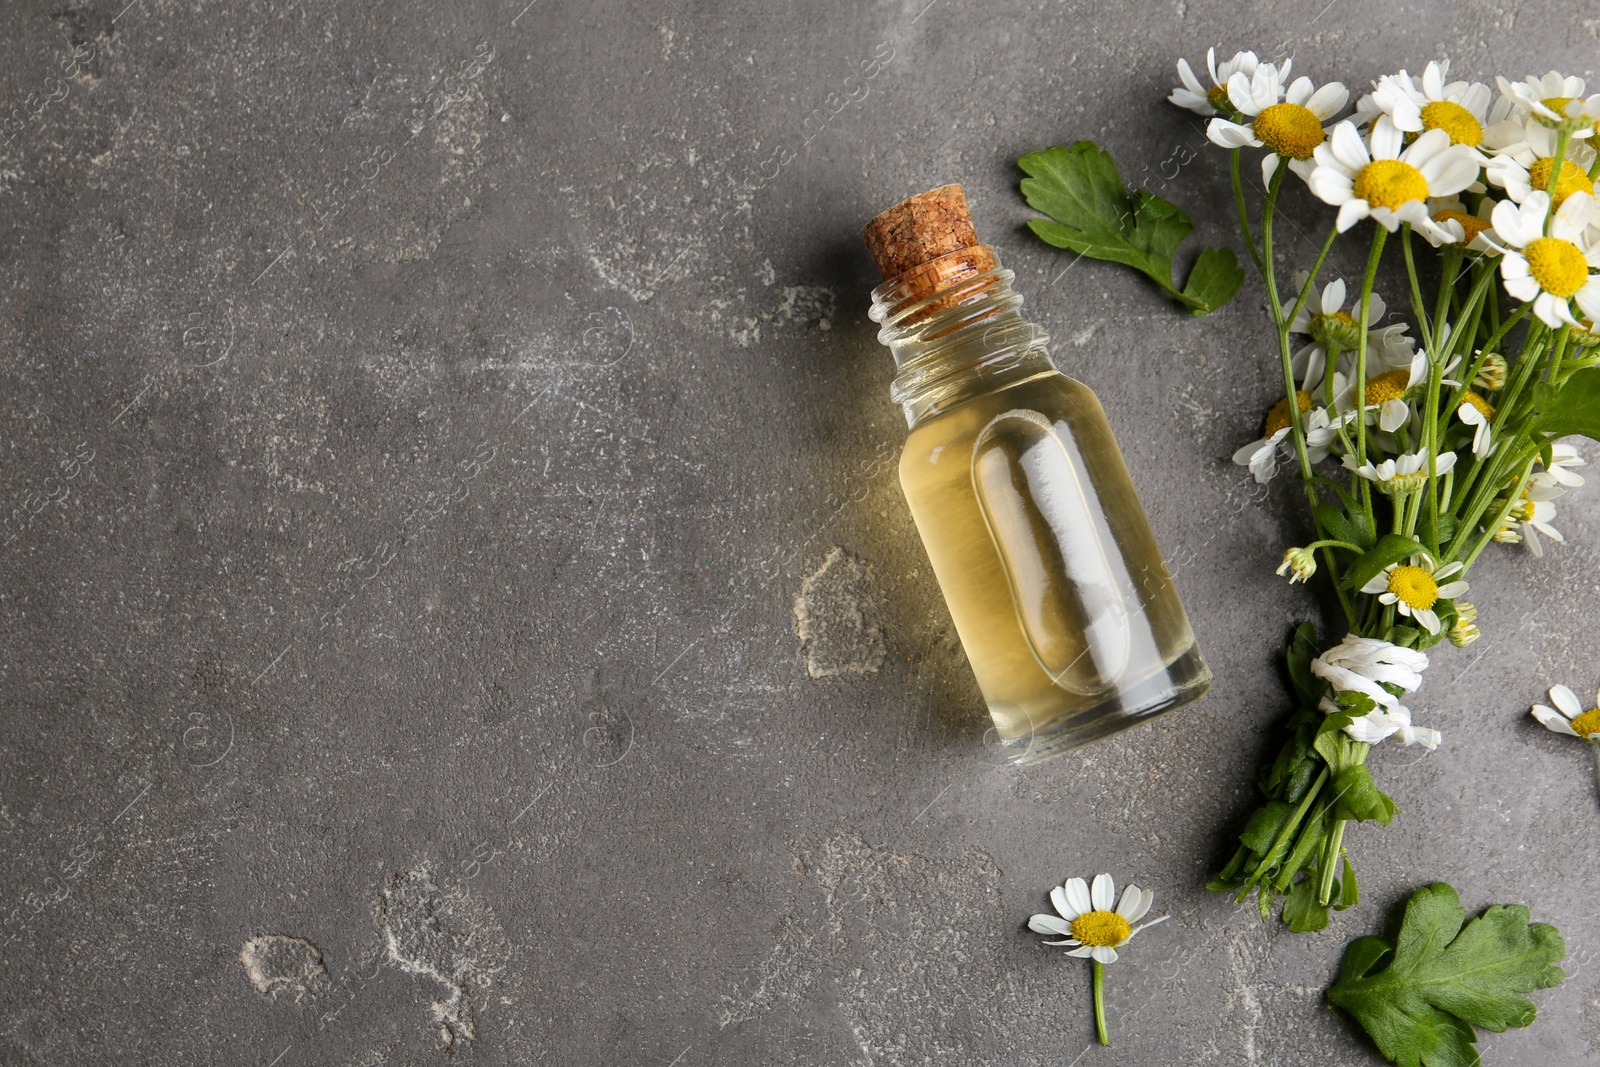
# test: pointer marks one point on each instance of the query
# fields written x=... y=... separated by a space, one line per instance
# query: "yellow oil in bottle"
x=1036 y=535
x=1051 y=573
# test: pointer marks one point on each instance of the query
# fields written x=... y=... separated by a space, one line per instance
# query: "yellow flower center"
x=1572 y=180
x=1217 y=97
x=1453 y=119
x=1278 y=417
x=1390 y=385
x=1390 y=183
x=1485 y=408
x=1558 y=104
x=1558 y=266
x=1291 y=130
x=1471 y=225
x=1102 y=929
x=1586 y=725
x=1414 y=586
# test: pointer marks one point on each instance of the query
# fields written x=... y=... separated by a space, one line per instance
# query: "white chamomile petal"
x=1566 y=700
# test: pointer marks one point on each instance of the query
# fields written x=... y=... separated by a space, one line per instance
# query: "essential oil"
x=1036 y=535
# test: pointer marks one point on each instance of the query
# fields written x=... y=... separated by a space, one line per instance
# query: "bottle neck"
x=955 y=329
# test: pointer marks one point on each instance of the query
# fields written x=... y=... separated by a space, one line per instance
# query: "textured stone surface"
x=418 y=421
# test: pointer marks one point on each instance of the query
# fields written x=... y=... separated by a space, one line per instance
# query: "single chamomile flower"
x=1455 y=225
x=1333 y=327
x=1413 y=587
x=1288 y=124
x=1392 y=183
x=1402 y=475
x=1465 y=630
x=1478 y=413
x=1551 y=271
x=1556 y=477
x=1549 y=100
x=1521 y=180
x=1387 y=397
x=1568 y=716
x=1089 y=926
x=1536 y=517
x=1194 y=96
x=1321 y=429
x=1458 y=108
x=1300 y=564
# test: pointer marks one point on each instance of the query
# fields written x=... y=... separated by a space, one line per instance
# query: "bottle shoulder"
x=1052 y=394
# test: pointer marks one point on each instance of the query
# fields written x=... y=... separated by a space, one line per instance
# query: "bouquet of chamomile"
x=1425 y=429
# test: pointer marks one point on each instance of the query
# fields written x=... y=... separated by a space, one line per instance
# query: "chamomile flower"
x=1465 y=630
x=1455 y=225
x=1522 y=179
x=1321 y=429
x=1568 y=716
x=1551 y=271
x=1557 y=478
x=1287 y=123
x=1093 y=924
x=1300 y=564
x=1549 y=100
x=1413 y=587
x=1535 y=517
x=1458 y=108
x=1402 y=475
x=1194 y=96
x=1476 y=412
x=1387 y=398
x=1392 y=183
x=1090 y=920
x=1334 y=327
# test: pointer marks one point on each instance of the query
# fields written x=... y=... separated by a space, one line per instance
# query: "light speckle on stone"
x=277 y=963
x=835 y=618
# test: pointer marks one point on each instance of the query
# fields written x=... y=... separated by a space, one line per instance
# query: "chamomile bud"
x=1465 y=630
x=1299 y=564
x=1491 y=377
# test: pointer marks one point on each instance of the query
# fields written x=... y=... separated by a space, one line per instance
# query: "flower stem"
x=1244 y=212
x=1330 y=860
x=1100 y=1003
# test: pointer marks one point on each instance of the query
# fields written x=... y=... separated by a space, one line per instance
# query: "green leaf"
x=1265 y=826
x=1349 y=891
x=1338 y=524
x=1301 y=910
x=1441 y=979
x=1091 y=213
x=1426 y=532
x=1213 y=280
x=1358 y=797
x=1302 y=650
x=1572 y=408
x=1391 y=548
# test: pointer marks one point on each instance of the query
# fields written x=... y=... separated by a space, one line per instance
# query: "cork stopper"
x=909 y=242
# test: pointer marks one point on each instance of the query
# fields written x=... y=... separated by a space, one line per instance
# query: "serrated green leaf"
x=1442 y=979
x=1391 y=548
x=1574 y=407
x=1092 y=213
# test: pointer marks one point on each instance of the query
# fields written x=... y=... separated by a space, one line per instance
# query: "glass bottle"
x=1053 y=578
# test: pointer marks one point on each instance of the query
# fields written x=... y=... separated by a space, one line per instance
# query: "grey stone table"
x=419 y=423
